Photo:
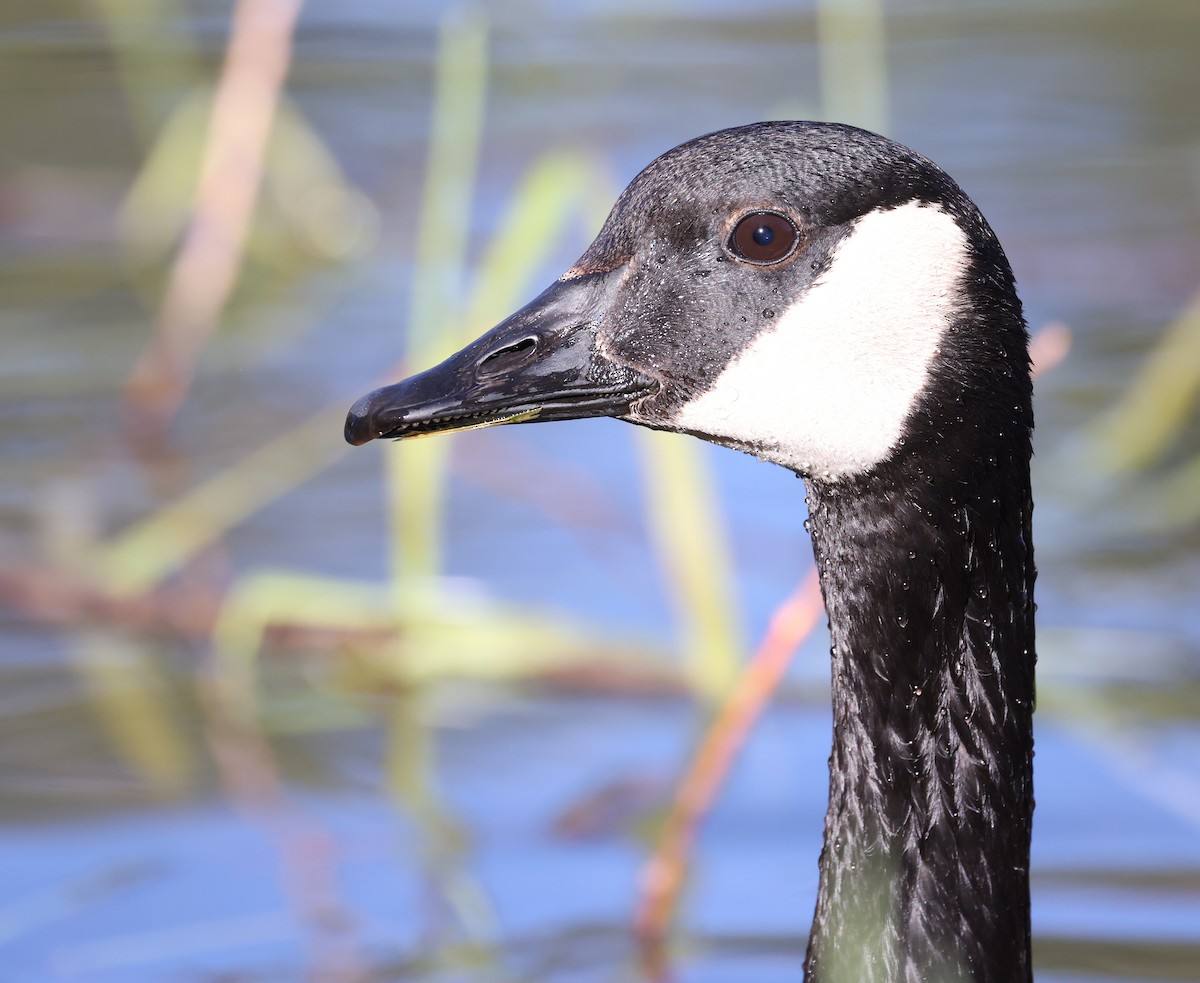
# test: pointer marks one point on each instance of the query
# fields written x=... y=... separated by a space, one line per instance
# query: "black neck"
x=928 y=581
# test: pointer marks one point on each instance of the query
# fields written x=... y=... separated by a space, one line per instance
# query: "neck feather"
x=928 y=581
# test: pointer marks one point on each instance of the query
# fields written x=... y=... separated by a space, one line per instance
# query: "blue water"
x=138 y=897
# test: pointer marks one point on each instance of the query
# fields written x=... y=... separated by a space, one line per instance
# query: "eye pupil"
x=764 y=238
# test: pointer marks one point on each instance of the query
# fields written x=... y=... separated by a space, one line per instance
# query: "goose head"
x=787 y=289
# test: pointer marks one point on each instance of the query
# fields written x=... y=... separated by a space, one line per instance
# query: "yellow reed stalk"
x=688 y=529
x=1160 y=401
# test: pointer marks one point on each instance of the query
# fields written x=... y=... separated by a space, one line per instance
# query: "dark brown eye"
x=763 y=237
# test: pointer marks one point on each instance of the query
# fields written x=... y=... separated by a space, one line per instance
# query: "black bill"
x=543 y=363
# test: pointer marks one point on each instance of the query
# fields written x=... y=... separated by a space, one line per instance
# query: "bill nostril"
x=509 y=356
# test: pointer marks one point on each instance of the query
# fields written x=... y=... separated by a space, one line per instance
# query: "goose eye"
x=763 y=237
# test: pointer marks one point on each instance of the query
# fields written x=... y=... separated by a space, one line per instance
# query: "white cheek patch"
x=825 y=390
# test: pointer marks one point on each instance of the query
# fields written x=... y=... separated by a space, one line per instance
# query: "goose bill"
x=543 y=363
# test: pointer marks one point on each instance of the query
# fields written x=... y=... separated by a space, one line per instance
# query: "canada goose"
x=833 y=302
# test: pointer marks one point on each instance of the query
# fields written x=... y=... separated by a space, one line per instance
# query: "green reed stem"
x=852 y=47
x=417 y=472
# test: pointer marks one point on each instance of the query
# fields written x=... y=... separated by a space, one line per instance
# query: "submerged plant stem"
x=663 y=875
x=209 y=261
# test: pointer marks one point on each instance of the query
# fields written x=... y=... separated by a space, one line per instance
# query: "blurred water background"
x=271 y=710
